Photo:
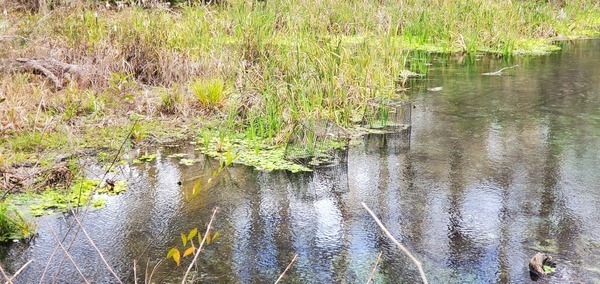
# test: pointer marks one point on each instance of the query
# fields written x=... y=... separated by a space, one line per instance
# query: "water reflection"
x=492 y=170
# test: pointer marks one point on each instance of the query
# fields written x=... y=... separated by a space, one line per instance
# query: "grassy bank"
x=248 y=68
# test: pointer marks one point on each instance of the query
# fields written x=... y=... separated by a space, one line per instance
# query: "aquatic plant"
x=175 y=254
x=258 y=153
x=12 y=225
x=78 y=194
x=145 y=158
x=261 y=66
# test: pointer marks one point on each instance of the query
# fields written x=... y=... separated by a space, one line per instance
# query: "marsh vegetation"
x=239 y=79
x=242 y=67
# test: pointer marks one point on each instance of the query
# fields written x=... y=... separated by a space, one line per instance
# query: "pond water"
x=493 y=169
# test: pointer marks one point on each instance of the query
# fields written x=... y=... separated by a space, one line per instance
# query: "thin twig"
x=96 y=248
x=197 y=254
x=134 y=273
x=149 y=280
x=50 y=259
x=67 y=254
x=5 y=276
x=21 y=269
x=286 y=269
x=374 y=269
x=499 y=72
x=146 y=273
x=389 y=235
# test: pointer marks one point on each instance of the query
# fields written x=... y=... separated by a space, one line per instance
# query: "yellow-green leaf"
x=208 y=238
x=183 y=239
x=176 y=257
x=197 y=187
x=189 y=251
x=215 y=236
x=172 y=252
x=192 y=233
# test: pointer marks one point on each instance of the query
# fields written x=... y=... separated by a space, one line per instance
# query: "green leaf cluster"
x=12 y=225
x=78 y=194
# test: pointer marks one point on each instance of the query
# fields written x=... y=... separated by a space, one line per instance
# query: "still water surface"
x=493 y=169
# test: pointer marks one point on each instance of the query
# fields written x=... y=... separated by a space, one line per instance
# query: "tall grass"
x=276 y=61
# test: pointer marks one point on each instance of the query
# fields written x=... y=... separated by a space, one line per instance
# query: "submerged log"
x=538 y=265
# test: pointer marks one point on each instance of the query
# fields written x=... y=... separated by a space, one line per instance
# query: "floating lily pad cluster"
x=255 y=153
x=183 y=159
x=145 y=159
x=78 y=194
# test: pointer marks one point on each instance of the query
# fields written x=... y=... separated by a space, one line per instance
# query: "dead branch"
x=21 y=269
x=54 y=70
x=148 y=279
x=402 y=248
x=197 y=254
x=8 y=280
x=134 y=273
x=29 y=65
x=67 y=254
x=96 y=248
x=374 y=268
x=499 y=72
x=286 y=269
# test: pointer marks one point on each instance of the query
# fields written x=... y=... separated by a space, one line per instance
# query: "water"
x=493 y=170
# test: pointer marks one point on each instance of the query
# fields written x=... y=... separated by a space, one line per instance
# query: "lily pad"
x=146 y=158
x=98 y=203
x=78 y=194
x=187 y=162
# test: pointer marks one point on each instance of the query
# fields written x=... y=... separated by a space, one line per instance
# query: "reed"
x=258 y=66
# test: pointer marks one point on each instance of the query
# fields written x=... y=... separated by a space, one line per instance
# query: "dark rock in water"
x=540 y=265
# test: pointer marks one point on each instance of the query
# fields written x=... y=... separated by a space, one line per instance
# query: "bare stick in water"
x=5 y=276
x=96 y=248
x=149 y=278
x=67 y=254
x=212 y=218
x=374 y=269
x=398 y=244
x=286 y=269
x=499 y=72
x=134 y=273
x=21 y=269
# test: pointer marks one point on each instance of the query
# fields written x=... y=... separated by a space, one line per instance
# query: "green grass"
x=12 y=225
x=210 y=93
